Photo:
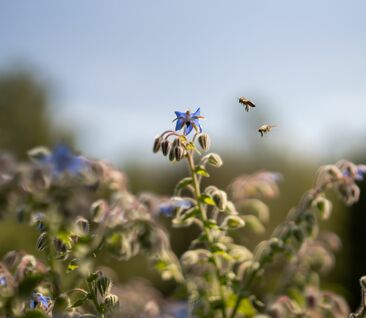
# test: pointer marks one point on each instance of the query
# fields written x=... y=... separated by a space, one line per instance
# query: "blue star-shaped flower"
x=62 y=160
x=188 y=121
x=40 y=300
x=169 y=207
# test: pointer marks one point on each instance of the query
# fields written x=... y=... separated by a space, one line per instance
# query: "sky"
x=119 y=69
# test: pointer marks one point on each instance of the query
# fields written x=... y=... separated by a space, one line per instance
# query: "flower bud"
x=82 y=225
x=99 y=210
x=42 y=241
x=177 y=142
x=204 y=141
x=233 y=222
x=165 y=145
x=111 y=301
x=214 y=160
x=172 y=154
x=220 y=198
x=157 y=144
x=103 y=285
x=179 y=153
x=39 y=154
x=363 y=282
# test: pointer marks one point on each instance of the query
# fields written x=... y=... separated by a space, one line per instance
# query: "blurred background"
x=106 y=78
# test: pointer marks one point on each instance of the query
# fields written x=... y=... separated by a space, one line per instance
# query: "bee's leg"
x=246 y=108
x=261 y=132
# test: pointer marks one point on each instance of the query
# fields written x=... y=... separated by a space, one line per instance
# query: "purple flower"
x=39 y=300
x=62 y=160
x=361 y=170
x=188 y=121
x=3 y=281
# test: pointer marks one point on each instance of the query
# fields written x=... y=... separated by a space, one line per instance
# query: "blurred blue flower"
x=178 y=310
x=3 y=281
x=358 y=175
x=169 y=207
x=188 y=121
x=62 y=160
x=361 y=171
x=38 y=299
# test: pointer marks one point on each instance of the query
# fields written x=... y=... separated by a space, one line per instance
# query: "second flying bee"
x=265 y=129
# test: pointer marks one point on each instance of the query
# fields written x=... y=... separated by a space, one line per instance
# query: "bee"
x=246 y=102
x=265 y=129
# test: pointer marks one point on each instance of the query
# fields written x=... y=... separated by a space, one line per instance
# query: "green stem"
x=197 y=193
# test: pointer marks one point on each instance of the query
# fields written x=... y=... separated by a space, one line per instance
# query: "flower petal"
x=180 y=114
x=180 y=123
x=197 y=124
x=188 y=128
x=197 y=112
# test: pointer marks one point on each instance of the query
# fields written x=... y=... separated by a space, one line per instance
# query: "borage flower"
x=62 y=160
x=169 y=207
x=40 y=301
x=188 y=121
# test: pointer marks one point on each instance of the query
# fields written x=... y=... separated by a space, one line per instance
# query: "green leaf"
x=206 y=199
x=72 y=265
x=183 y=184
x=246 y=307
x=190 y=213
x=79 y=302
x=201 y=171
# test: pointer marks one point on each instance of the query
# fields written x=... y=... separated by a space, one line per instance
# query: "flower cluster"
x=81 y=208
x=223 y=277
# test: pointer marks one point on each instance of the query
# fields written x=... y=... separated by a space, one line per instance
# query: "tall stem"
x=197 y=193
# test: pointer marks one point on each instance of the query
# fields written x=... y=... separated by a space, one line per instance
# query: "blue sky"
x=120 y=68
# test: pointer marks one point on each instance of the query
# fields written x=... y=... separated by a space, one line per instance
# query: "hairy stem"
x=197 y=193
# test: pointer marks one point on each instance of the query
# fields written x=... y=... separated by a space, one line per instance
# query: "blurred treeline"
x=26 y=121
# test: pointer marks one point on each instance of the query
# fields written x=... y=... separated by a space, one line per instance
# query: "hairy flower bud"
x=111 y=301
x=42 y=241
x=103 y=285
x=213 y=159
x=177 y=142
x=165 y=146
x=157 y=144
x=172 y=154
x=178 y=153
x=82 y=225
x=204 y=141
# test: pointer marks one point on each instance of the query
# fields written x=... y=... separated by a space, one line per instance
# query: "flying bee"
x=265 y=129
x=246 y=102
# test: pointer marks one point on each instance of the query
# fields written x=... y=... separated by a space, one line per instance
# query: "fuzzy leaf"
x=183 y=184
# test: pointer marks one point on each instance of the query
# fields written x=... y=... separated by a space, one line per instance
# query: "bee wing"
x=250 y=103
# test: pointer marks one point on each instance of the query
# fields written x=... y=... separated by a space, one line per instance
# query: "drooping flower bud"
x=179 y=153
x=165 y=146
x=157 y=144
x=177 y=142
x=204 y=141
x=172 y=154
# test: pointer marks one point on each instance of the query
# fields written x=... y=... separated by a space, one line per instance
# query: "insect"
x=265 y=129
x=246 y=102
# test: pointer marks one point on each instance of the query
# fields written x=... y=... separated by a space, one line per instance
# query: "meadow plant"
x=83 y=210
